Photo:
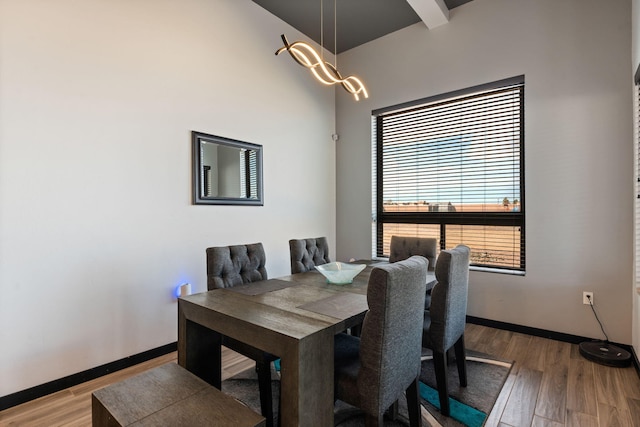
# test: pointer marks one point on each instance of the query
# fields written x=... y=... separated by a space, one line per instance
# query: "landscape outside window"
x=451 y=167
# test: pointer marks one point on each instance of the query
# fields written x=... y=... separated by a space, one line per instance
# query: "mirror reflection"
x=226 y=171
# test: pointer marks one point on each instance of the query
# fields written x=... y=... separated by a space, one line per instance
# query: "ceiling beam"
x=432 y=12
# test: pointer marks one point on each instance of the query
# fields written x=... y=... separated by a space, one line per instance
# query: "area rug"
x=470 y=405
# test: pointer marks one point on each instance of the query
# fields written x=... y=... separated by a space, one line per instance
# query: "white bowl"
x=340 y=273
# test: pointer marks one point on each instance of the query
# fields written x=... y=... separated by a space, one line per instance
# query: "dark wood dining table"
x=294 y=317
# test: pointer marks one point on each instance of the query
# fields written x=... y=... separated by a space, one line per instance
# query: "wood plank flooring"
x=550 y=385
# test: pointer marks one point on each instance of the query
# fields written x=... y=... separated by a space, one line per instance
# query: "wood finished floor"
x=550 y=385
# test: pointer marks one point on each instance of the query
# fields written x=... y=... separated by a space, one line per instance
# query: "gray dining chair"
x=403 y=247
x=444 y=323
x=307 y=253
x=229 y=266
x=373 y=371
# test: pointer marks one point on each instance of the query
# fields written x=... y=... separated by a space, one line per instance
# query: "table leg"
x=307 y=382
x=199 y=350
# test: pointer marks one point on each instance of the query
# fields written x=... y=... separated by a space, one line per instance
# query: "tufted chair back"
x=373 y=371
x=391 y=332
x=447 y=319
x=444 y=323
x=229 y=266
x=307 y=253
x=403 y=247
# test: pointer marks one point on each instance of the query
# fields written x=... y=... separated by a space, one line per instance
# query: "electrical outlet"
x=586 y=296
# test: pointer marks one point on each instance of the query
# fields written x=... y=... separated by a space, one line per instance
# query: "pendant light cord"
x=335 y=33
x=322 y=29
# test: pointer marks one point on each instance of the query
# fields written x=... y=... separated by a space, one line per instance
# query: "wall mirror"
x=226 y=171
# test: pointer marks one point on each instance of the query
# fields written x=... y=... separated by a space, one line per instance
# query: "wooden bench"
x=168 y=396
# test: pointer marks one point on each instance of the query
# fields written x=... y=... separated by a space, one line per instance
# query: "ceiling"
x=358 y=21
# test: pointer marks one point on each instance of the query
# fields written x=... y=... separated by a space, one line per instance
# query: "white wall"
x=97 y=228
x=575 y=58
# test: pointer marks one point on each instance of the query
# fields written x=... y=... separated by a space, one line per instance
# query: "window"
x=452 y=167
x=248 y=174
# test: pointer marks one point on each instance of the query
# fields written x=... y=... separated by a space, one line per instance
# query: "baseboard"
x=32 y=393
x=90 y=374
x=543 y=333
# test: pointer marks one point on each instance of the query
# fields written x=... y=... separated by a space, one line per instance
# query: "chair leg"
x=461 y=360
x=279 y=423
x=373 y=421
x=440 y=365
x=355 y=330
x=451 y=356
x=413 y=404
x=393 y=411
x=264 y=384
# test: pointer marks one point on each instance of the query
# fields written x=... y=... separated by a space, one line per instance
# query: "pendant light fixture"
x=326 y=73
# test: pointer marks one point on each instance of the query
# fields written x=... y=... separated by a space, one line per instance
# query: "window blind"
x=248 y=174
x=451 y=167
x=253 y=173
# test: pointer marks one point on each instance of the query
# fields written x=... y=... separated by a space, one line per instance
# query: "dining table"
x=294 y=317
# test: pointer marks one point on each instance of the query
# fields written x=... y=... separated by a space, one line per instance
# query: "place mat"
x=342 y=305
x=262 y=287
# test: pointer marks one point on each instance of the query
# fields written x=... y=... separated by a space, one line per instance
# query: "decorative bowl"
x=340 y=273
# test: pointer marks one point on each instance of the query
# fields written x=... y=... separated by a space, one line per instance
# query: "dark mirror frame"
x=197 y=138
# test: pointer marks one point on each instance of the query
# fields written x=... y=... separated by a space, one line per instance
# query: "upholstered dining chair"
x=372 y=371
x=444 y=323
x=307 y=253
x=229 y=266
x=403 y=247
